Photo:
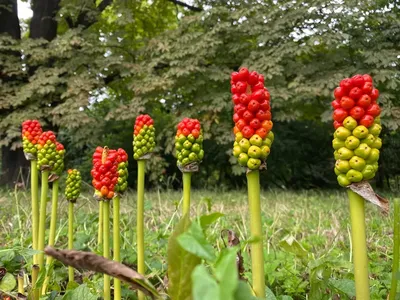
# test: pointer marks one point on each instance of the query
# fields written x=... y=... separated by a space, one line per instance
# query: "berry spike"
x=143 y=137
x=121 y=183
x=47 y=151
x=31 y=131
x=73 y=185
x=59 y=162
x=252 y=117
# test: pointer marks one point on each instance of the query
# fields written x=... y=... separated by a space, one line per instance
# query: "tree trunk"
x=43 y=23
x=14 y=167
x=9 y=18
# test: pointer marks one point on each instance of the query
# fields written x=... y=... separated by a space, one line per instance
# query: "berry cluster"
x=143 y=137
x=122 y=183
x=47 y=151
x=73 y=185
x=59 y=165
x=31 y=131
x=105 y=172
x=252 y=117
x=356 y=97
x=189 y=142
x=356 y=139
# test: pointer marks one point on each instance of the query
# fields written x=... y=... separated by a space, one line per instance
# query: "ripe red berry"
x=339 y=92
x=258 y=86
x=347 y=102
x=355 y=93
x=367 y=121
x=253 y=105
x=244 y=74
x=244 y=99
x=263 y=115
x=367 y=87
x=337 y=124
x=367 y=78
x=255 y=123
x=258 y=95
x=240 y=109
x=262 y=132
x=267 y=95
x=357 y=112
x=265 y=106
x=358 y=80
x=247 y=132
x=374 y=110
x=261 y=78
x=236 y=117
x=336 y=104
x=236 y=98
x=339 y=114
x=346 y=84
x=253 y=78
x=248 y=116
x=235 y=76
x=364 y=101
x=241 y=87
x=195 y=133
x=241 y=124
x=374 y=94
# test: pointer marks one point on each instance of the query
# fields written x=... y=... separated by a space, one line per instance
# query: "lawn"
x=307 y=238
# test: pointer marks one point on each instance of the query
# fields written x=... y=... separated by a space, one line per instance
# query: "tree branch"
x=180 y=3
x=84 y=20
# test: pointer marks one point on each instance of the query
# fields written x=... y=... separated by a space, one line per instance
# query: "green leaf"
x=204 y=285
x=345 y=286
x=290 y=244
x=226 y=273
x=81 y=292
x=8 y=283
x=181 y=264
x=244 y=292
x=207 y=220
x=269 y=294
x=194 y=241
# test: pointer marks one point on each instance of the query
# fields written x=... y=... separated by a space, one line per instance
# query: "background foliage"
x=107 y=61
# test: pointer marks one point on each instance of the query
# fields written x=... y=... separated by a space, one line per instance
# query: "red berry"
x=241 y=87
x=195 y=133
x=234 y=89
x=248 y=116
x=339 y=114
x=236 y=98
x=241 y=124
x=346 y=84
x=367 y=87
x=374 y=94
x=261 y=78
x=185 y=132
x=337 y=124
x=253 y=105
x=336 y=104
x=347 y=103
x=263 y=115
x=262 y=132
x=240 y=109
x=355 y=93
x=258 y=95
x=235 y=76
x=357 y=112
x=244 y=99
x=244 y=74
x=267 y=95
x=247 y=132
x=236 y=117
x=190 y=125
x=255 y=123
x=339 y=92
x=367 y=121
x=258 y=86
x=374 y=110
x=358 y=80
x=253 y=78
x=367 y=78
x=364 y=101
x=265 y=106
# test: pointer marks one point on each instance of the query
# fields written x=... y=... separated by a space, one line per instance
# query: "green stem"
x=70 y=237
x=21 y=282
x=100 y=231
x=140 y=220
x=116 y=246
x=396 y=247
x=106 y=245
x=358 y=236
x=186 y=192
x=35 y=275
x=42 y=219
x=257 y=254
x=53 y=225
x=35 y=206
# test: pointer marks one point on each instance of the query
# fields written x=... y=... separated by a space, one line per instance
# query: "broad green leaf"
x=244 y=292
x=81 y=292
x=8 y=283
x=226 y=273
x=181 y=264
x=290 y=244
x=194 y=241
x=207 y=220
x=204 y=285
x=269 y=294
x=345 y=286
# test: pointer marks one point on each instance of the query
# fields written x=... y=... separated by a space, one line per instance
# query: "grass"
x=307 y=245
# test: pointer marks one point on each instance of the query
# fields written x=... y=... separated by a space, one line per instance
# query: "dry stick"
x=116 y=244
x=257 y=254
x=396 y=247
x=70 y=236
x=358 y=236
x=106 y=245
x=53 y=225
x=140 y=220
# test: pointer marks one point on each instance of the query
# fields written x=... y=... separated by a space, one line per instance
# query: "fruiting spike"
x=31 y=131
x=143 y=137
x=73 y=185
x=47 y=151
x=189 y=142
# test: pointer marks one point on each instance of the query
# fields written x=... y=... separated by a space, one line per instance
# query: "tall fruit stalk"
x=253 y=139
x=105 y=177
x=189 y=153
x=143 y=146
x=120 y=189
x=356 y=143
x=72 y=192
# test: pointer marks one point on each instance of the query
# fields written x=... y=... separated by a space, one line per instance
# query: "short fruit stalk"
x=143 y=146
x=72 y=192
x=120 y=189
x=31 y=131
x=105 y=177
x=189 y=153
x=356 y=143
x=253 y=139
x=396 y=249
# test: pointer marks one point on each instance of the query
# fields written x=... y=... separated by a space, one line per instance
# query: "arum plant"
x=31 y=131
x=189 y=153
x=143 y=146
x=54 y=176
x=105 y=177
x=120 y=188
x=357 y=143
x=72 y=192
x=253 y=139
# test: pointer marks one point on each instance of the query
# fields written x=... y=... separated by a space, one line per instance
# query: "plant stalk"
x=35 y=275
x=70 y=237
x=396 y=247
x=187 y=176
x=257 y=254
x=42 y=218
x=100 y=232
x=140 y=220
x=358 y=236
x=116 y=246
x=106 y=245
x=53 y=225
x=21 y=283
x=35 y=206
